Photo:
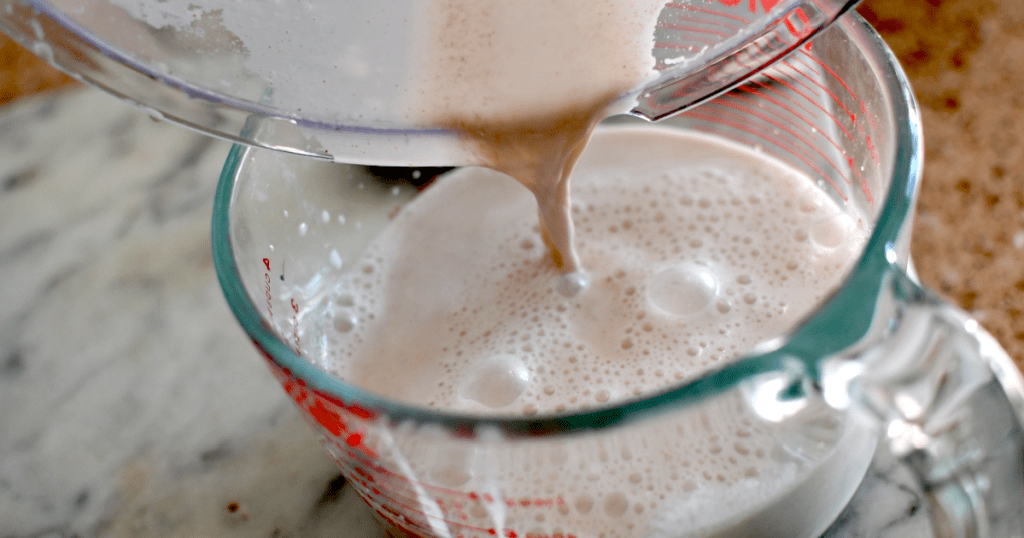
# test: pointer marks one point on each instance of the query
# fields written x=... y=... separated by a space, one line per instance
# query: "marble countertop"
x=134 y=406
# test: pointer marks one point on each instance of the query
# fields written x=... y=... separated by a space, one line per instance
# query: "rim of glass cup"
x=839 y=323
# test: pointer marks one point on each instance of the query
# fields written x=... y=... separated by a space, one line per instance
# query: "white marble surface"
x=131 y=403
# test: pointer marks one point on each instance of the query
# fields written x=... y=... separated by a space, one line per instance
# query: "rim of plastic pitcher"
x=837 y=324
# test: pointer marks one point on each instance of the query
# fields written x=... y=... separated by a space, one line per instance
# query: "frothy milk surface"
x=695 y=251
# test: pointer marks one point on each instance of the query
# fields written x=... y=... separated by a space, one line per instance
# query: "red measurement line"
x=853 y=116
x=767 y=74
x=853 y=119
x=694 y=29
x=746 y=95
x=743 y=126
x=708 y=11
x=798 y=80
x=378 y=469
x=701 y=20
x=751 y=112
x=386 y=493
x=834 y=97
x=752 y=88
x=471 y=495
x=831 y=72
x=748 y=112
x=402 y=503
x=813 y=102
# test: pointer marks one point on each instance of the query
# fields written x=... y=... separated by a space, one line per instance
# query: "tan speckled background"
x=965 y=59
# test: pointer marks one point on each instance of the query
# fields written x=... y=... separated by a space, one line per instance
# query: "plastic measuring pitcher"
x=332 y=79
x=881 y=366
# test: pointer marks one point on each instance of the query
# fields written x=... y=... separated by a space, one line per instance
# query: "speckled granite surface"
x=965 y=59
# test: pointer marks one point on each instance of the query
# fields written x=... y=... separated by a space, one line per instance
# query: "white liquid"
x=695 y=251
x=691 y=248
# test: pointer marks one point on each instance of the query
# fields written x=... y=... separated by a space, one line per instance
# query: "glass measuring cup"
x=327 y=79
x=939 y=392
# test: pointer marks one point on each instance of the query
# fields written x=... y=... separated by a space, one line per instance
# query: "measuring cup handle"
x=951 y=407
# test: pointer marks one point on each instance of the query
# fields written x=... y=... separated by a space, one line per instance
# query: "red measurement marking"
x=869 y=115
x=755 y=88
x=752 y=4
x=694 y=29
x=409 y=502
x=824 y=88
x=707 y=21
x=746 y=113
x=744 y=126
x=266 y=261
x=872 y=122
x=813 y=102
x=853 y=117
x=805 y=29
x=831 y=72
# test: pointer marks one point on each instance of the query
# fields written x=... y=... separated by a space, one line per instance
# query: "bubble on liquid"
x=682 y=290
x=584 y=504
x=570 y=285
x=723 y=306
x=345 y=321
x=828 y=233
x=497 y=381
x=616 y=504
x=451 y=475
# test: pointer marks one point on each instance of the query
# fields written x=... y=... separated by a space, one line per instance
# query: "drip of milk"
x=695 y=250
x=524 y=83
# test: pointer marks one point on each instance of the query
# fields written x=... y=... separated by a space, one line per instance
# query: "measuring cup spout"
x=949 y=403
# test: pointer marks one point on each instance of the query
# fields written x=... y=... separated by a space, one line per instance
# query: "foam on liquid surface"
x=695 y=251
